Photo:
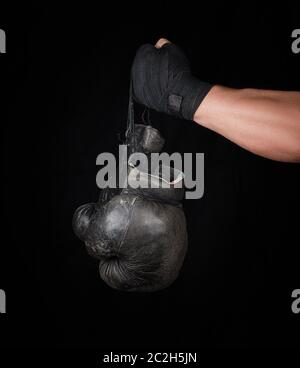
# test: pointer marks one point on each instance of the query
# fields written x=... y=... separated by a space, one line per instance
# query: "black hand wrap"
x=162 y=81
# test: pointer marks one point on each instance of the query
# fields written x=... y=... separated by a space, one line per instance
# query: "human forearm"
x=264 y=122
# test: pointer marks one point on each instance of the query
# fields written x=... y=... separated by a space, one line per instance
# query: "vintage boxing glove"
x=139 y=234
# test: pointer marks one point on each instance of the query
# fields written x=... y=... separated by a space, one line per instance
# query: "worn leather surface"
x=138 y=235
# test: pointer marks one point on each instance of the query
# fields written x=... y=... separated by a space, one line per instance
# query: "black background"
x=64 y=82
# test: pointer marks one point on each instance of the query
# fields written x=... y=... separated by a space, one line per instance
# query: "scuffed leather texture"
x=138 y=235
x=162 y=80
x=140 y=243
x=147 y=139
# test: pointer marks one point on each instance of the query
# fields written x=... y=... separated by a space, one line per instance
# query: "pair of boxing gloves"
x=139 y=234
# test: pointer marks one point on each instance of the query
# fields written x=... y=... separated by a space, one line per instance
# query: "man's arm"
x=264 y=122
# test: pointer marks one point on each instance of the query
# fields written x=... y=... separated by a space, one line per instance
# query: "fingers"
x=148 y=48
x=161 y=42
x=163 y=45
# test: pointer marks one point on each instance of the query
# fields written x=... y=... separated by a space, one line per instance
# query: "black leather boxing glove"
x=138 y=235
x=162 y=81
x=140 y=243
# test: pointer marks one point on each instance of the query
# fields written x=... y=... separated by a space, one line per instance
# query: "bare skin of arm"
x=266 y=123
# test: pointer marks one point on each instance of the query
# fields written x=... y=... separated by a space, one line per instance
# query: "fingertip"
x=162 y=42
